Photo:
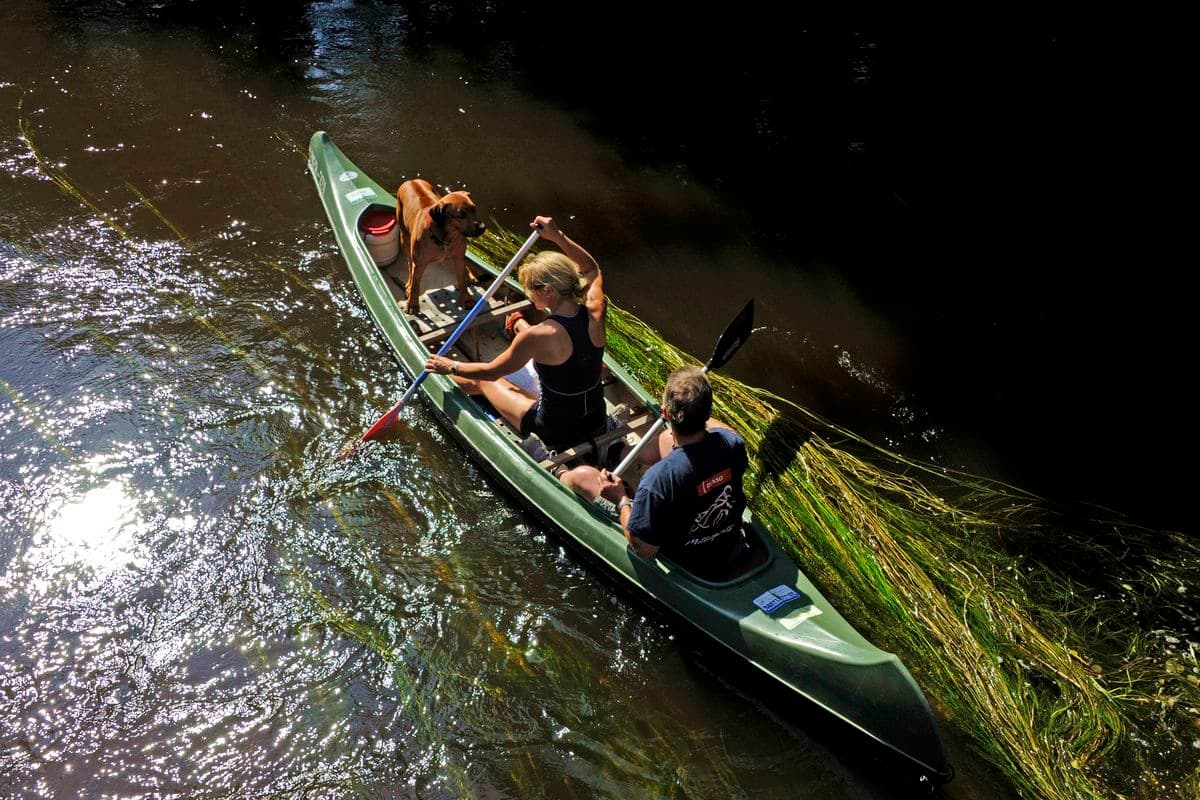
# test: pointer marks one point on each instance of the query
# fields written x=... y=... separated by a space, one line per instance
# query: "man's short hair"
x=687 y=400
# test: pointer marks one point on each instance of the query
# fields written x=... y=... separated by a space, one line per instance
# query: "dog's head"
x=456 y=213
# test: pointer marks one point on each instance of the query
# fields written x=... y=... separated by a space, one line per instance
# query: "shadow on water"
x=781 y=443
x=735 y=127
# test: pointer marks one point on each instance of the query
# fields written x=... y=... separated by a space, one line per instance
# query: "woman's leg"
x=506 y=397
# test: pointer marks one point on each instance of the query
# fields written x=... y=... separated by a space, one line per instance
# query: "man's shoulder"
x=665 y=470
x=729 y=435
x=664 y=466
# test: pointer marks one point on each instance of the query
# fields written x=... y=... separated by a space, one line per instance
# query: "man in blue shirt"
x=688 y=504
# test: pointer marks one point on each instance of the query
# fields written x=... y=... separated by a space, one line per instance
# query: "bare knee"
x=584 y=481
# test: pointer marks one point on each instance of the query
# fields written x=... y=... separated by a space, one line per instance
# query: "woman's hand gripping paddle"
x=389 y=419
x=735 y=335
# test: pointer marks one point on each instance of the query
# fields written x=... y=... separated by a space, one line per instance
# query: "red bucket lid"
x=377 y=221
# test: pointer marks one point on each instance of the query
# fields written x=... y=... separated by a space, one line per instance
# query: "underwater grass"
x=58 y=176
x=1049 y=648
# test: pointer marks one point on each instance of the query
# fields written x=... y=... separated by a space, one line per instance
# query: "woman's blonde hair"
x=554 y=270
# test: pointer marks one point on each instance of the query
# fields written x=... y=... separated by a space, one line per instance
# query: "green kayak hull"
x=773 y=618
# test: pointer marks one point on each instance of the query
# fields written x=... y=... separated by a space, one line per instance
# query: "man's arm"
x=641 y=548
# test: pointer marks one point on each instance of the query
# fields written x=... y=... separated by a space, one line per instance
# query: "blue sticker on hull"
x=771 y=600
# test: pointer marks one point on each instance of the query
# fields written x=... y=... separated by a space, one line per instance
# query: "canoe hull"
x=773 y=618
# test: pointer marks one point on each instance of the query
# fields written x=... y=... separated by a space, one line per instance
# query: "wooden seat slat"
x=437 y=334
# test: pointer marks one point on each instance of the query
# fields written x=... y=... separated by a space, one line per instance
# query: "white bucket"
x=381 y=234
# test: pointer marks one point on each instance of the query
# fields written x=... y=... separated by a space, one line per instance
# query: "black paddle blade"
x=733 y=338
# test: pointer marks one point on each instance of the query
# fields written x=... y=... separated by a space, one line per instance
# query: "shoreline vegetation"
x=1057 y=646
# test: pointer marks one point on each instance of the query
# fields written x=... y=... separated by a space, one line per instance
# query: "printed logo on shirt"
x=712 y=517
x=708 y=484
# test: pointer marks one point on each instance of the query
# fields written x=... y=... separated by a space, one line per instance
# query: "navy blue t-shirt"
x=690 y=504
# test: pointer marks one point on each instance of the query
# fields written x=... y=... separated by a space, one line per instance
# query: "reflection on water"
x=95 y=533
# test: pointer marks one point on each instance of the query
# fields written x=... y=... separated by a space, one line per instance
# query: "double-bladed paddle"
x=389 y=419
x=735 y=335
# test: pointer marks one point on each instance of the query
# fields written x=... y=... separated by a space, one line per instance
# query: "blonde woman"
x=567 y=349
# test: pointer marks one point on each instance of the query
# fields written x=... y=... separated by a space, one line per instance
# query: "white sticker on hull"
x=793 y=620
x=358 y=195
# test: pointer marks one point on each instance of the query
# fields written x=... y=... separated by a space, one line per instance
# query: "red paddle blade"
x=733 y=338
x=385 y=422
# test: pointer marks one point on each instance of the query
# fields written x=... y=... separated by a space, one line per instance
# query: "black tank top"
x=580 y=372
x=571 y=408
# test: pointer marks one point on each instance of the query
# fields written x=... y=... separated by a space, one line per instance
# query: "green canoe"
x=772 y=617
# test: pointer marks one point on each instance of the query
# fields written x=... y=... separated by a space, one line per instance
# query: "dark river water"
x=958 y=239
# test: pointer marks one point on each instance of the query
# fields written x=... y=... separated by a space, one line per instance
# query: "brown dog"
x=434 y=229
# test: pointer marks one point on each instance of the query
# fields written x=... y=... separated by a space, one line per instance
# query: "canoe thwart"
x=584 y=448
x=437 y=334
